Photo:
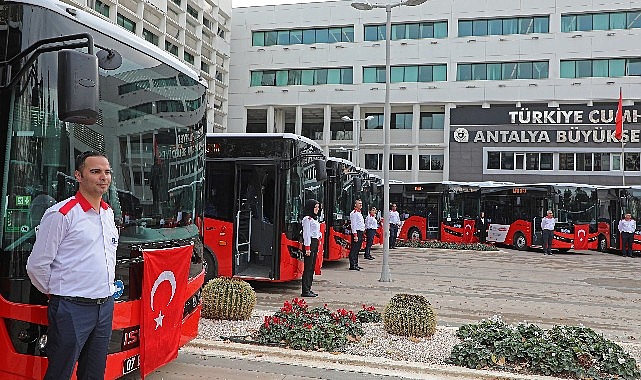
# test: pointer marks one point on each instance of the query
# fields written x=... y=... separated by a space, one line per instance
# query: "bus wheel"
x=603 y=244
x=414 y=234
x=211 y=266
x=519 y=241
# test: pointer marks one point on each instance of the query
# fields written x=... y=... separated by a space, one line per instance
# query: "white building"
x=481 y=90
x=195 y=31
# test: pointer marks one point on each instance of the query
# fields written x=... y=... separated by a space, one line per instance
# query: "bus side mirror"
x=358 y=184
x=321 y=170
x=77 y=87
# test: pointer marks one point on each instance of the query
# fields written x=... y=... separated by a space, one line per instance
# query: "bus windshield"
x=576 y=204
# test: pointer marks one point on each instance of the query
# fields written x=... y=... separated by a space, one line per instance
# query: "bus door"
x=255 y=252
x=539 y=210
x=432 y=212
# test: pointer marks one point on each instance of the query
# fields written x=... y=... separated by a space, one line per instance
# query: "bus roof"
x=117 y=33
x=290 y=136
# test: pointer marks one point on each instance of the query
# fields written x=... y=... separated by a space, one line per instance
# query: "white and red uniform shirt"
x=75 y=250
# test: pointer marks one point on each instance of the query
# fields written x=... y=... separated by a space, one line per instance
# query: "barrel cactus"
x=409 y=315
x=228 y=298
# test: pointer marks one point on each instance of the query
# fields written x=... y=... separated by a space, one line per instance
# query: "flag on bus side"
x=618 y=132
x=162 y=305
x=468 y=230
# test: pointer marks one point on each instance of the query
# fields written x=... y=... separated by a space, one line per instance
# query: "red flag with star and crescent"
x=163 y=302
x=618 y=131
x=581 y=236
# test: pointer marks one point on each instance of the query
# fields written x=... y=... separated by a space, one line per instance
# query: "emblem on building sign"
x=461 y=135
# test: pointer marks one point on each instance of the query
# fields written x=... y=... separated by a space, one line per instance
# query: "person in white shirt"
x=357 y=225
x=547 y=226
x=394 y=225
x=371 y=225
x=627 y=226
x=311 y=237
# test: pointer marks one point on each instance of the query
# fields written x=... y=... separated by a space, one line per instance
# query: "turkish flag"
x=468 y=230
x=163 y=301
x=581 y=236
x=618 y=131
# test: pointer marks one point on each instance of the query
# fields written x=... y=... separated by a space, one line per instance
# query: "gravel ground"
x=374 y=343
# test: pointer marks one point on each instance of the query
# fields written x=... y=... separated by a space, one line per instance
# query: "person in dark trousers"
x=481 y=227
x=73 y=263
x=311 y=236
x=547 y=227
x=627 y=226
x=371 y=225
x=394 y=225
x=357 y=225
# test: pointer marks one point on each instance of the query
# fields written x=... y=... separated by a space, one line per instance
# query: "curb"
x=340 y=361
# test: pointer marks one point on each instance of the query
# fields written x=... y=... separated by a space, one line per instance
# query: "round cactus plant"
x=409 y=315
x=228 y=298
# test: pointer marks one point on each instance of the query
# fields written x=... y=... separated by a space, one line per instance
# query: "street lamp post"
x=357 y=162
x=385 y=272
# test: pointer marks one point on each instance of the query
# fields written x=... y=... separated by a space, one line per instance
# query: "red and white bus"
x=515 y=211
x=147 y=116
x=255 y=188
x=614 y=203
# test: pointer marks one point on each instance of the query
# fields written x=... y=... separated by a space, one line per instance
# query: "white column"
x=298 y=124
x=416 y=124
x=270 y=119
x=327 y=118
x=446 y=142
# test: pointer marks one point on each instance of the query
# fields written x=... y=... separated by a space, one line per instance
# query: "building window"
x=432 y=120
x=189 y=58
x=615 y=67
x=399 y=74
x=177 y=2
x=173 y=49
x=132 y=86
x=431 y=161
x=401 y=162
x=376 y=122
x=204 y=67
x=401 y=121
x=303 y=36
x=600 y=21
x=502 y=70
x=407 y=31
x=310 y=77
x=631 y=161
x=207 y=23
x=374 y=161
x=502 y=26
x=192 y=12
x=126 y=23
x=101 y=8
x=149 y=36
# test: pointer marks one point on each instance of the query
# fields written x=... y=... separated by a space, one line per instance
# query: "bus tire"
x=602 y=244
x=414 y=234
x=519 y=242
x=211 y=265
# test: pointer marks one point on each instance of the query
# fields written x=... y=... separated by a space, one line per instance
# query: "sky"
x=251 y=3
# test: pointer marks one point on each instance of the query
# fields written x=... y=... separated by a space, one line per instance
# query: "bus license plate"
x=130 y=364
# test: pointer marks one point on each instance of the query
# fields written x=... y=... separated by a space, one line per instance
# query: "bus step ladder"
x=243 y=234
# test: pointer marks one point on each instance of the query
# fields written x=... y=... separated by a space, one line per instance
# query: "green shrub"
x=369 y=314
x=299 y=327
x=447 y=245
x=228 y=298
x=561 y=351
x=409 y=315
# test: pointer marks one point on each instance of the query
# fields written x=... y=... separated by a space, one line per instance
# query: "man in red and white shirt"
x=73 y=262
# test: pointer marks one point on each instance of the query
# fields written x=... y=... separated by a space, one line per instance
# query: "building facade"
x=195 y=31
x=494 y=90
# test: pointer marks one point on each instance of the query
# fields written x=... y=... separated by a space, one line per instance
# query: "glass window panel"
x=347 y=34
x=568 y=69
x=257 y=77
x=347 y=76
x=509 y=70
x=322 y=36
x=321 y=76
x=294 y=77
x=510 y=26
x=583 y=69
x=371 y=33
x=541 y=70
x=495 y=27
x=398 y=31
x=580 y=162
x=269 y=78
x=438 y=161
x=335 y=35
x=634 y=21
x=380 y=75
x=271 y=38
x=307 y=77
x=524 y=70
x=542 y=24
x=398 y=74
x=479 y=27
x=382 y=32
x=631 y=161
x=600 y=68
x=634 y=67
x=413 y=31
x=296 y=36
x=425 y=74
x=426 y=121
x=566 y=161
x=507 y=160
x=439 y=72
x=568 y=23
x=479 y=71
x=618 y=20
x=369 y=74
x=438 y=120
x=601 y=21
x=427 y=30
x=532 y=161
x=372 y=162
x=547 y=161
x=440 y=29
x=283 y=37
x=309 y=36
x=584 y=22
x=258 y=39
x=333 y=76
x=616 y=67
x=281 y=78
x=424 y=162
x=616 y=162
x=465 y=28
x=411 y=74
x=603 y=161
x=494 y=71
x=399 y=162
x=493 y=160
x=463 y=72
x=526 y=25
